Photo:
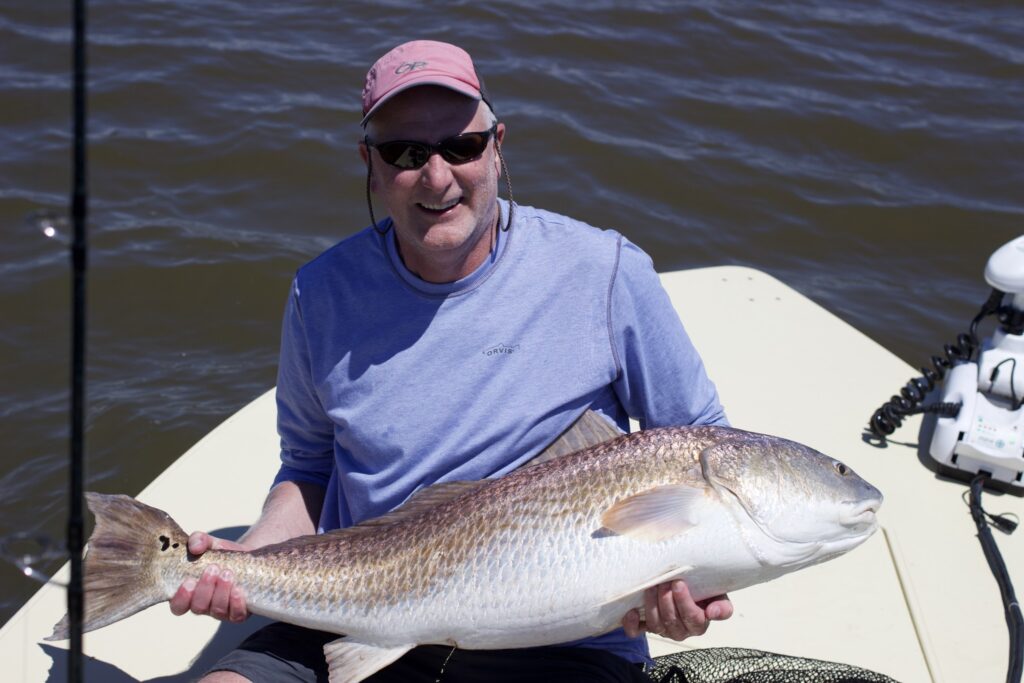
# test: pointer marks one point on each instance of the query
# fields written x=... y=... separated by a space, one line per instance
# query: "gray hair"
x=489 y=116
x=489 y=120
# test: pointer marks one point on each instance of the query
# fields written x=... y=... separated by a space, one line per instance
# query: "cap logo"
x=406 y=67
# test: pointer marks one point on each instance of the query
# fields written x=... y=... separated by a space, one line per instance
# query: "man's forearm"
x=291 y=509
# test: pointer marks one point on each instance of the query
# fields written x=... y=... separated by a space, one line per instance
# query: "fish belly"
x=546 y=588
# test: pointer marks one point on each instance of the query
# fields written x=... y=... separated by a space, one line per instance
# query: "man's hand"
x=670 y=611
x=291 y=509
x=215 y=593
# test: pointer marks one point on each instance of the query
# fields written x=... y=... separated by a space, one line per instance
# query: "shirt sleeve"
x=661 y=379
x=306 y=431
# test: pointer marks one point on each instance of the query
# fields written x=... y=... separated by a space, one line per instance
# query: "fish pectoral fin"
x=673 y=572
x=349 y=661
x=655 y=514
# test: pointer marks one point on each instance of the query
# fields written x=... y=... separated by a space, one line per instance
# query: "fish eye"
x=842 y=469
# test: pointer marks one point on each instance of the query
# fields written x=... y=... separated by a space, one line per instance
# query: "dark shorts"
x=282 y=652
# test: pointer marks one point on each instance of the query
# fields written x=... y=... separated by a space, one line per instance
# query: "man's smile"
x=439 y=207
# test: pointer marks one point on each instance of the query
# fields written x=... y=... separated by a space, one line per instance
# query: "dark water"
x=871 y=155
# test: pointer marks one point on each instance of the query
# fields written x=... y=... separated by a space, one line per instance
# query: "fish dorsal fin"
x=588 y=430
x=423 y=500
x=350 y=662
x=655 y=514
x=419 y=502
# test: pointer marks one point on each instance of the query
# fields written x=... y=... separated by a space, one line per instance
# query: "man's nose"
x=436 y=172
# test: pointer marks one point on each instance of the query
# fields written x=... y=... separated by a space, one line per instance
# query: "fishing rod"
x=79 y=264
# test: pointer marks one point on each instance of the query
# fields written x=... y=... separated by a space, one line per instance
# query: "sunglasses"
x=409 y=155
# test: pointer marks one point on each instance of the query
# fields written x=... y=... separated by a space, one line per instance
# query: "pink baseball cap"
x=420 y=62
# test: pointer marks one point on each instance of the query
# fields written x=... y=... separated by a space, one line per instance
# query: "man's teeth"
x=439 y=207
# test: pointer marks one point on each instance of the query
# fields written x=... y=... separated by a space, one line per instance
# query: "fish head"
x=808 y=505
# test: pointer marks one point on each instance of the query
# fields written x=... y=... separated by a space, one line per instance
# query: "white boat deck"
x=916 y=602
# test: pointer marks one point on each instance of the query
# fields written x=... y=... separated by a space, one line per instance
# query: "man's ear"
x=499 y=137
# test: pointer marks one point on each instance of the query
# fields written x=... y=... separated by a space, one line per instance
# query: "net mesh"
x=739 y=665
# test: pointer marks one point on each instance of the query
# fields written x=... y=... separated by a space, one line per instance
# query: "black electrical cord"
x=1014 y=402
x=1014 y=620
x=79 y=263
x=890 y=415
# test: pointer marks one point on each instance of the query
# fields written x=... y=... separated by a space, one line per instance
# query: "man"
x=453 y=341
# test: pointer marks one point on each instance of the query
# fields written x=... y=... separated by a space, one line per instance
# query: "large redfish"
x=555 y=551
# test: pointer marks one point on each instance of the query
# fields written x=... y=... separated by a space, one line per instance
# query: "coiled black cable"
x=890 y=416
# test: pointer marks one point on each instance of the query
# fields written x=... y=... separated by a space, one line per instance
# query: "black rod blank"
x=79 y=263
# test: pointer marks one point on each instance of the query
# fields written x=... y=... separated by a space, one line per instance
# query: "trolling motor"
x=980 y=424
x=988 y=431
x=979 y=430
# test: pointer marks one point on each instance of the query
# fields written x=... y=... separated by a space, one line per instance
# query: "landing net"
x=739 y=665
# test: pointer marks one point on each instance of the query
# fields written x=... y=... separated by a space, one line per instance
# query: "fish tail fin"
x=123 y=563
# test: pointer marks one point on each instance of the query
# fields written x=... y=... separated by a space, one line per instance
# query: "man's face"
x=442 y=212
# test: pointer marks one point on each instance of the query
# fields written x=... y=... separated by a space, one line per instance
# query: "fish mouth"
x=863 y=516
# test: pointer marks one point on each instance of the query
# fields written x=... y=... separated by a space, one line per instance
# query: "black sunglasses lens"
x=406 y=155
x=465 y=147
x=455 y=150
